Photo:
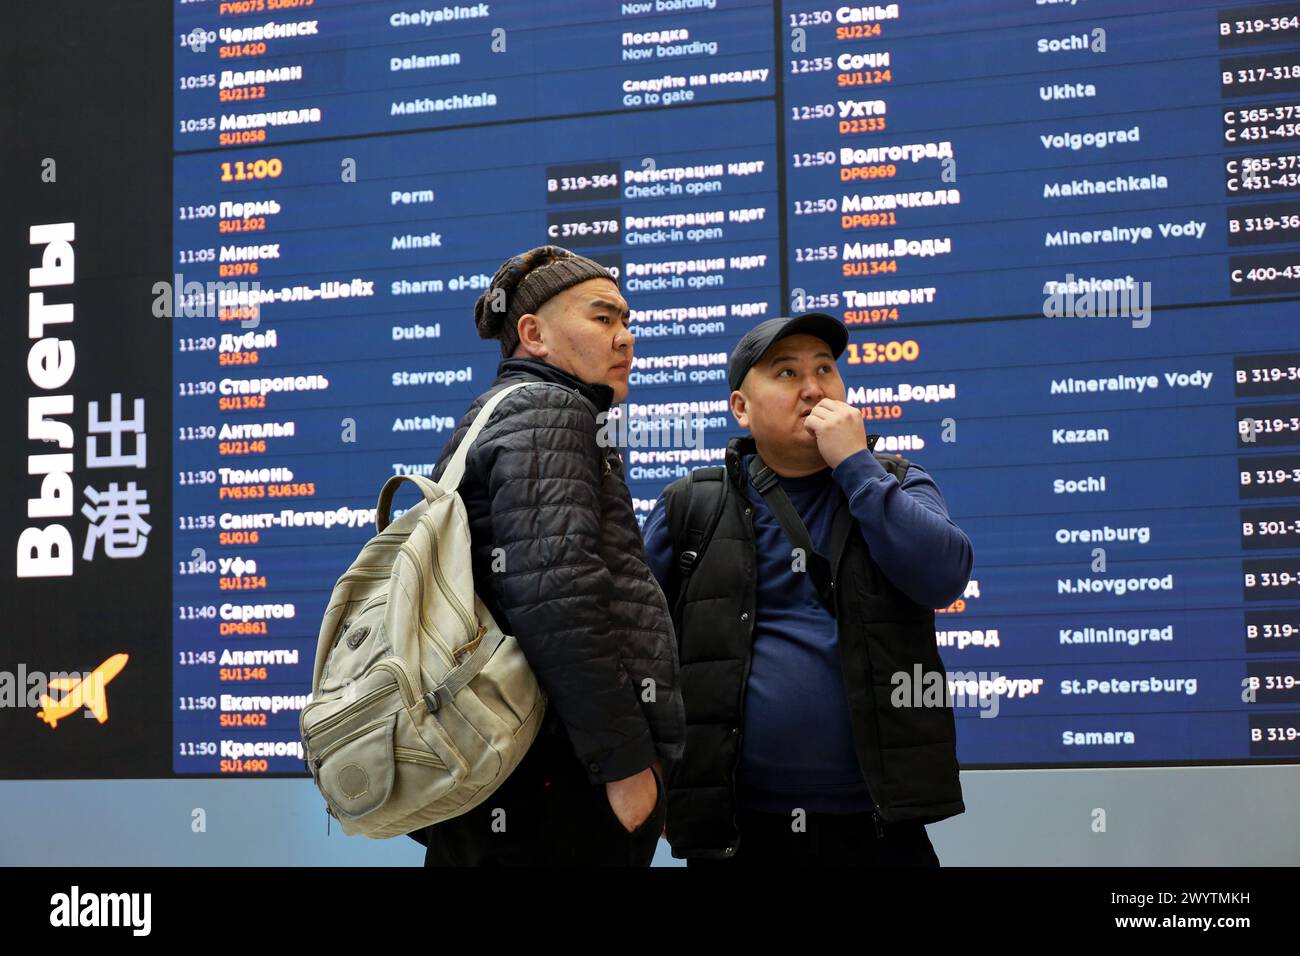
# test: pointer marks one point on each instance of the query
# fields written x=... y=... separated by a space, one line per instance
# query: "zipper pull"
x=327 y=819
x=880 y=826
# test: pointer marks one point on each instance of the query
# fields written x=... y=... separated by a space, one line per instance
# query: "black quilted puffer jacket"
x=573 y=586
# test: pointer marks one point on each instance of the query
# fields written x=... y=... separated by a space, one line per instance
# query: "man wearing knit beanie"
x=558 y=559
x=531 y=307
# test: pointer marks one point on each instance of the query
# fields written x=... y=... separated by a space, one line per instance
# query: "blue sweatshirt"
x=797 y=744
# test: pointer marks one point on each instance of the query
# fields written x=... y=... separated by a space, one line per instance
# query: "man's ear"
x=531 y=336
x=740 y=408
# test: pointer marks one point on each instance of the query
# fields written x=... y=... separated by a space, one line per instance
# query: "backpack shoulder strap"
x=893 y=464
x=693 y=512
x=455 y=470
x=449 y=481
x=767 y=484
x=896 y=465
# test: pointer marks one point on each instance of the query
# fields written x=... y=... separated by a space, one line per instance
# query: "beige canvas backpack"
x=420 y=706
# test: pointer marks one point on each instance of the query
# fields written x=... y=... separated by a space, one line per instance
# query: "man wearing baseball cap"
x=803 y=578
x=558 y=560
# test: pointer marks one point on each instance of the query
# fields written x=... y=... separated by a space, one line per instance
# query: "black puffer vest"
x=908 y=755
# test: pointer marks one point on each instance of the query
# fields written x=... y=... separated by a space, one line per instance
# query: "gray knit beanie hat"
x=523 y=283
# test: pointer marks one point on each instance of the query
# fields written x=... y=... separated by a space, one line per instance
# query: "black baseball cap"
x=754 y=343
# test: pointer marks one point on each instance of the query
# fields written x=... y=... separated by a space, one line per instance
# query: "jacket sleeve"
x=908 y=530
x=541 y=464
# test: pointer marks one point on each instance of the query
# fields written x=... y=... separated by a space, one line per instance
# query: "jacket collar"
x=737 y=449
x=511 y=369
x=742 y=445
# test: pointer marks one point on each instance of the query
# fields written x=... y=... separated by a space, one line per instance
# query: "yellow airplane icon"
x=79 y=695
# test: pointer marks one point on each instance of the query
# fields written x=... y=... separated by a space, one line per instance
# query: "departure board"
x=1064 y=235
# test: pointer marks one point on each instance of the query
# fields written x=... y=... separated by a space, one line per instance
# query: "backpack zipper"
x=425 y=625
x=330 y=722
x=366 y=572
x=744 y=683
x=390 y=664
x=452 y=599
x=418 y=756
x=408 y=695
x=346 y=739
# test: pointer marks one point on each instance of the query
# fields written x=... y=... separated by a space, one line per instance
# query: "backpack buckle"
x=762 y=478
x=686 y=561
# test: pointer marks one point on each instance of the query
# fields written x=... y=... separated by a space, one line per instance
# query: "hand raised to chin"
x=838 y=428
